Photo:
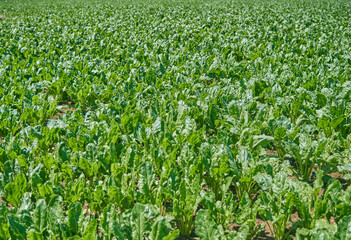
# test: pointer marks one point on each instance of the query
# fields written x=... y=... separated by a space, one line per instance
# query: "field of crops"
x=175 y=119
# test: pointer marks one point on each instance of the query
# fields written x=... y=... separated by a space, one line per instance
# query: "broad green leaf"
x=91 y=230
x=161 y=228
x=140 y=221
x=344 y=228
x=74 y=214
x=33 y=235
x=40 y=215
x=205 y=226
x=16 y=189
x=17 y=230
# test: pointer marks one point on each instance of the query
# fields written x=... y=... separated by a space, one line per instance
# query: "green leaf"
x=161 y=227
x=323 y=230
x=74 y=214
x=4 y=225
x=336 y=122
x=16 y=189
x=205 y=226
x=321 y=100
x=279 y=133
x=262 y=140
x=17 y=230
x=344 y=228
x=56 y=123
x=140 y=222
x=263 y=180
x=40 y=215
x=33 y=235
x=346 y=168
x=172 y=235
x=318 y=183
x=146 y=179
x=117 y=230
x=91 y=230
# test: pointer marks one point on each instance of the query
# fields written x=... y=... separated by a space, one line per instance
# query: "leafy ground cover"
x=175 y=120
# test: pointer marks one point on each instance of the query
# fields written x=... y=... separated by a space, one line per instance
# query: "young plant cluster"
x=175 y=119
